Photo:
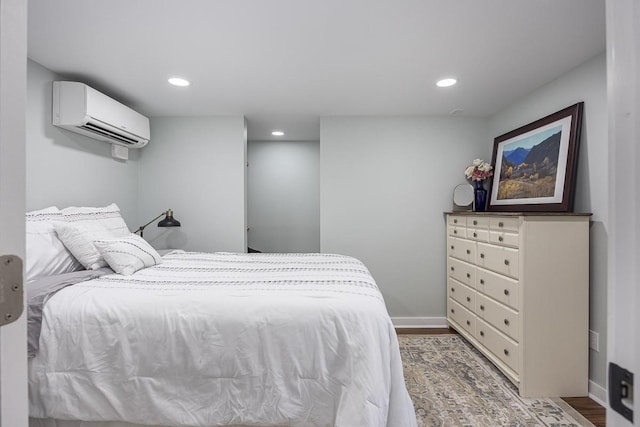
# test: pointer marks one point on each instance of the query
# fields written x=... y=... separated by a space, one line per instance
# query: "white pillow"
x=84 y=225
x=45 y=253
x=99 y=219
x=126 y=255
x=79 y=240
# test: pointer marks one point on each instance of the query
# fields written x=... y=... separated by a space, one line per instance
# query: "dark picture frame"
x=535 y=165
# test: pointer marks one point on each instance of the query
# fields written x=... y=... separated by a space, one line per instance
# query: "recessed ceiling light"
x=446 y=82
x=277 y=133
x=177 y=81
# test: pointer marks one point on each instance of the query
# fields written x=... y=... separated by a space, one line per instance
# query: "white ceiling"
x=285 y=63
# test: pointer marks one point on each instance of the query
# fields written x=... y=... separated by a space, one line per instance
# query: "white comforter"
x=223 y=339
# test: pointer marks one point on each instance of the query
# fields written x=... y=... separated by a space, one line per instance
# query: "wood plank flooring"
x=589 y=409
x=586 y=406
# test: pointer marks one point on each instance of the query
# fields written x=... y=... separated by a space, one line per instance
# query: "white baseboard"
x=420 y=322
x=598 y=393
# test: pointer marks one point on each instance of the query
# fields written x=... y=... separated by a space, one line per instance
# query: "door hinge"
x=11 y=289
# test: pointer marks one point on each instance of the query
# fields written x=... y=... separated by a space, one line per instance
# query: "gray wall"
x=386 y=181
x=66 y=169
x=195 y=166
x=284 y=196
x=384 y=185
x=586 y=83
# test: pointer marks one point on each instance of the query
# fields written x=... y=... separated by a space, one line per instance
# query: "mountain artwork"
x=529 y=170
x=535 y=165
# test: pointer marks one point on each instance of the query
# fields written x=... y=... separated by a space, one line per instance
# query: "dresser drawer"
x=462 y=272
x=504 y=224
x=462 y=249
x=500 y=259
x=498 y=287
x=456 y=220
x=504 y=238
x=478 y=222
x=457 y=231
x=478 y=235
x=501 y=317
x=462 y=316
x=504 y=348
x=462 y=294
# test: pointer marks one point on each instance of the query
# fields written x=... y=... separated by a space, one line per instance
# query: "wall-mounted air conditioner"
x=82 y=109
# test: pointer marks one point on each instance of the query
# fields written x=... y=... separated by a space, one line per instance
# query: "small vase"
x=480 y=197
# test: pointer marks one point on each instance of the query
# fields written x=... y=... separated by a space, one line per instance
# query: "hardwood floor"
x=586 y=406
x=589 y=409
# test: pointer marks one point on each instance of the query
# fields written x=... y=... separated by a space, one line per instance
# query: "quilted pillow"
x=126 y=255
x=45 y=253
x=84 y=225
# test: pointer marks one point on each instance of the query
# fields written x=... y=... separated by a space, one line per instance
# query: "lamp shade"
x=169 y=220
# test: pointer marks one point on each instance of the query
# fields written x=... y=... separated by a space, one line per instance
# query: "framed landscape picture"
x=535 y=165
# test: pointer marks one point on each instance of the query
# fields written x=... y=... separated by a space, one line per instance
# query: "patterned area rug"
x=452 y=384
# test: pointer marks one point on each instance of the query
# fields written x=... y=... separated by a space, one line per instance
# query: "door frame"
x=13 y=87
x=623 y=97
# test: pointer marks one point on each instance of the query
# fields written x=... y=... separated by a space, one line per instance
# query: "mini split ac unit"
x=82 y=109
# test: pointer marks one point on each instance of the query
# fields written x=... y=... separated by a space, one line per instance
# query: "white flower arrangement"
x=479 y=170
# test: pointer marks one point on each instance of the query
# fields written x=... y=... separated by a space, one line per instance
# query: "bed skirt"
x=51 y=422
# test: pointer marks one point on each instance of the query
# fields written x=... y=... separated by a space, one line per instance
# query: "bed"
x=216 y=339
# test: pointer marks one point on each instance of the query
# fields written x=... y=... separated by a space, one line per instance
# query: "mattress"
x=222 y=339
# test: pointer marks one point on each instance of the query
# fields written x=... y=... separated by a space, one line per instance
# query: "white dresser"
x=518 y=290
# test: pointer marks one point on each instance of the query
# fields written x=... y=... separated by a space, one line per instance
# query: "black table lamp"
x=167 y=221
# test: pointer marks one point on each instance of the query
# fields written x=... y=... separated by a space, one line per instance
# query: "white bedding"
x=223 y=339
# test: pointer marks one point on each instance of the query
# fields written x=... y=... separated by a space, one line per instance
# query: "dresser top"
x=485 y=213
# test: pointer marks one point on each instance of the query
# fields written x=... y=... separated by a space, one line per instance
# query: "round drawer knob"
x=482 y=281
x=452 y=310
x=481 y=255
x=506 y=322
x=468 y=323
x=454 y=232
x=506 y=352
x=453 y=289
x=468 y=276
x=481 y=333
x=455 y=221
x=506 y=261
x=468 y=252
x=475 y=234
x=468 y=299
x=500 y=224
x=452 y=269
x=482 y=307
x=451 y=247
x=475 y=222
x=506 y=292
x=500 y=238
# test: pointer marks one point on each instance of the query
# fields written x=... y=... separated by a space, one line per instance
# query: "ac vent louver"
x=104 y=132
